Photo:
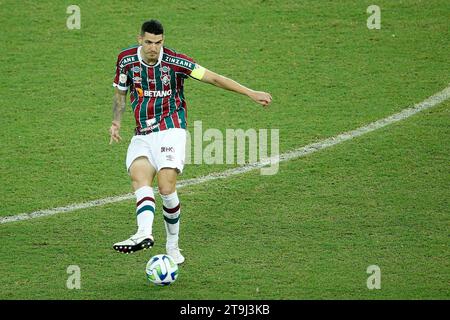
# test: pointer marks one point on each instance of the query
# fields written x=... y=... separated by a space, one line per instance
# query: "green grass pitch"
x=308 y=232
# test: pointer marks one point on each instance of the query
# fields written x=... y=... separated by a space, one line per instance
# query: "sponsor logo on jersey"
x=149 y=128
x=179 y=62
x=157 y=94
x=136 y=69
x=137 y=79
x=150 y=122
x=126 y=61
x=151 y=125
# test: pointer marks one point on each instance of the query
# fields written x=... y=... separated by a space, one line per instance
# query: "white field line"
x=294 y=154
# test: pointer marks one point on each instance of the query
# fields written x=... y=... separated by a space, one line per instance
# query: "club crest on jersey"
x=165 y=78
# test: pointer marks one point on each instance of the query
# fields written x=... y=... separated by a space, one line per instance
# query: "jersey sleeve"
x=198 y=72
x=121 y=79
x=188 y=67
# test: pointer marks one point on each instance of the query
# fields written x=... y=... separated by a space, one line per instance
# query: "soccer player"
x=154 y=75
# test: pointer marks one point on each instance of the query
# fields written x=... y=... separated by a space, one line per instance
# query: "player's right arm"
x=121 y=85
x=118 y=109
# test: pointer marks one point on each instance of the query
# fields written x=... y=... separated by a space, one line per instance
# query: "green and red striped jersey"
x=156 y=92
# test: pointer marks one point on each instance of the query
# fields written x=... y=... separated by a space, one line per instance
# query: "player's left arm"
x=220 y=81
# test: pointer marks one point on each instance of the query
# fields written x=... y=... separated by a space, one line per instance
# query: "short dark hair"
x=153 y=27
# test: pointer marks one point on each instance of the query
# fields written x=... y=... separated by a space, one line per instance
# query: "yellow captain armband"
x=198 y=72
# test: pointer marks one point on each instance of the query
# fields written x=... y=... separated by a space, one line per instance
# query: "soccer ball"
x=161 y=270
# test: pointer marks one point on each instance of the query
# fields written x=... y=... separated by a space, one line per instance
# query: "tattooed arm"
x=118 y=109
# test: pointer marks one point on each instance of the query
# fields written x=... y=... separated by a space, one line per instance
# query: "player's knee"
x=166 y=186
x=137 y=184
x=167 y=180
x=166 y=189
x=141 y=173
x=139 y=179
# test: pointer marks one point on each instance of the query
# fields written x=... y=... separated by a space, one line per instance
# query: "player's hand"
x=263 y=98
x=114 y=132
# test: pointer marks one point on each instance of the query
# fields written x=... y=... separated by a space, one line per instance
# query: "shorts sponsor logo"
x=167 y=149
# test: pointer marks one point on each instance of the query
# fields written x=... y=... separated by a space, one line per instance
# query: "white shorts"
x=163 y=149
